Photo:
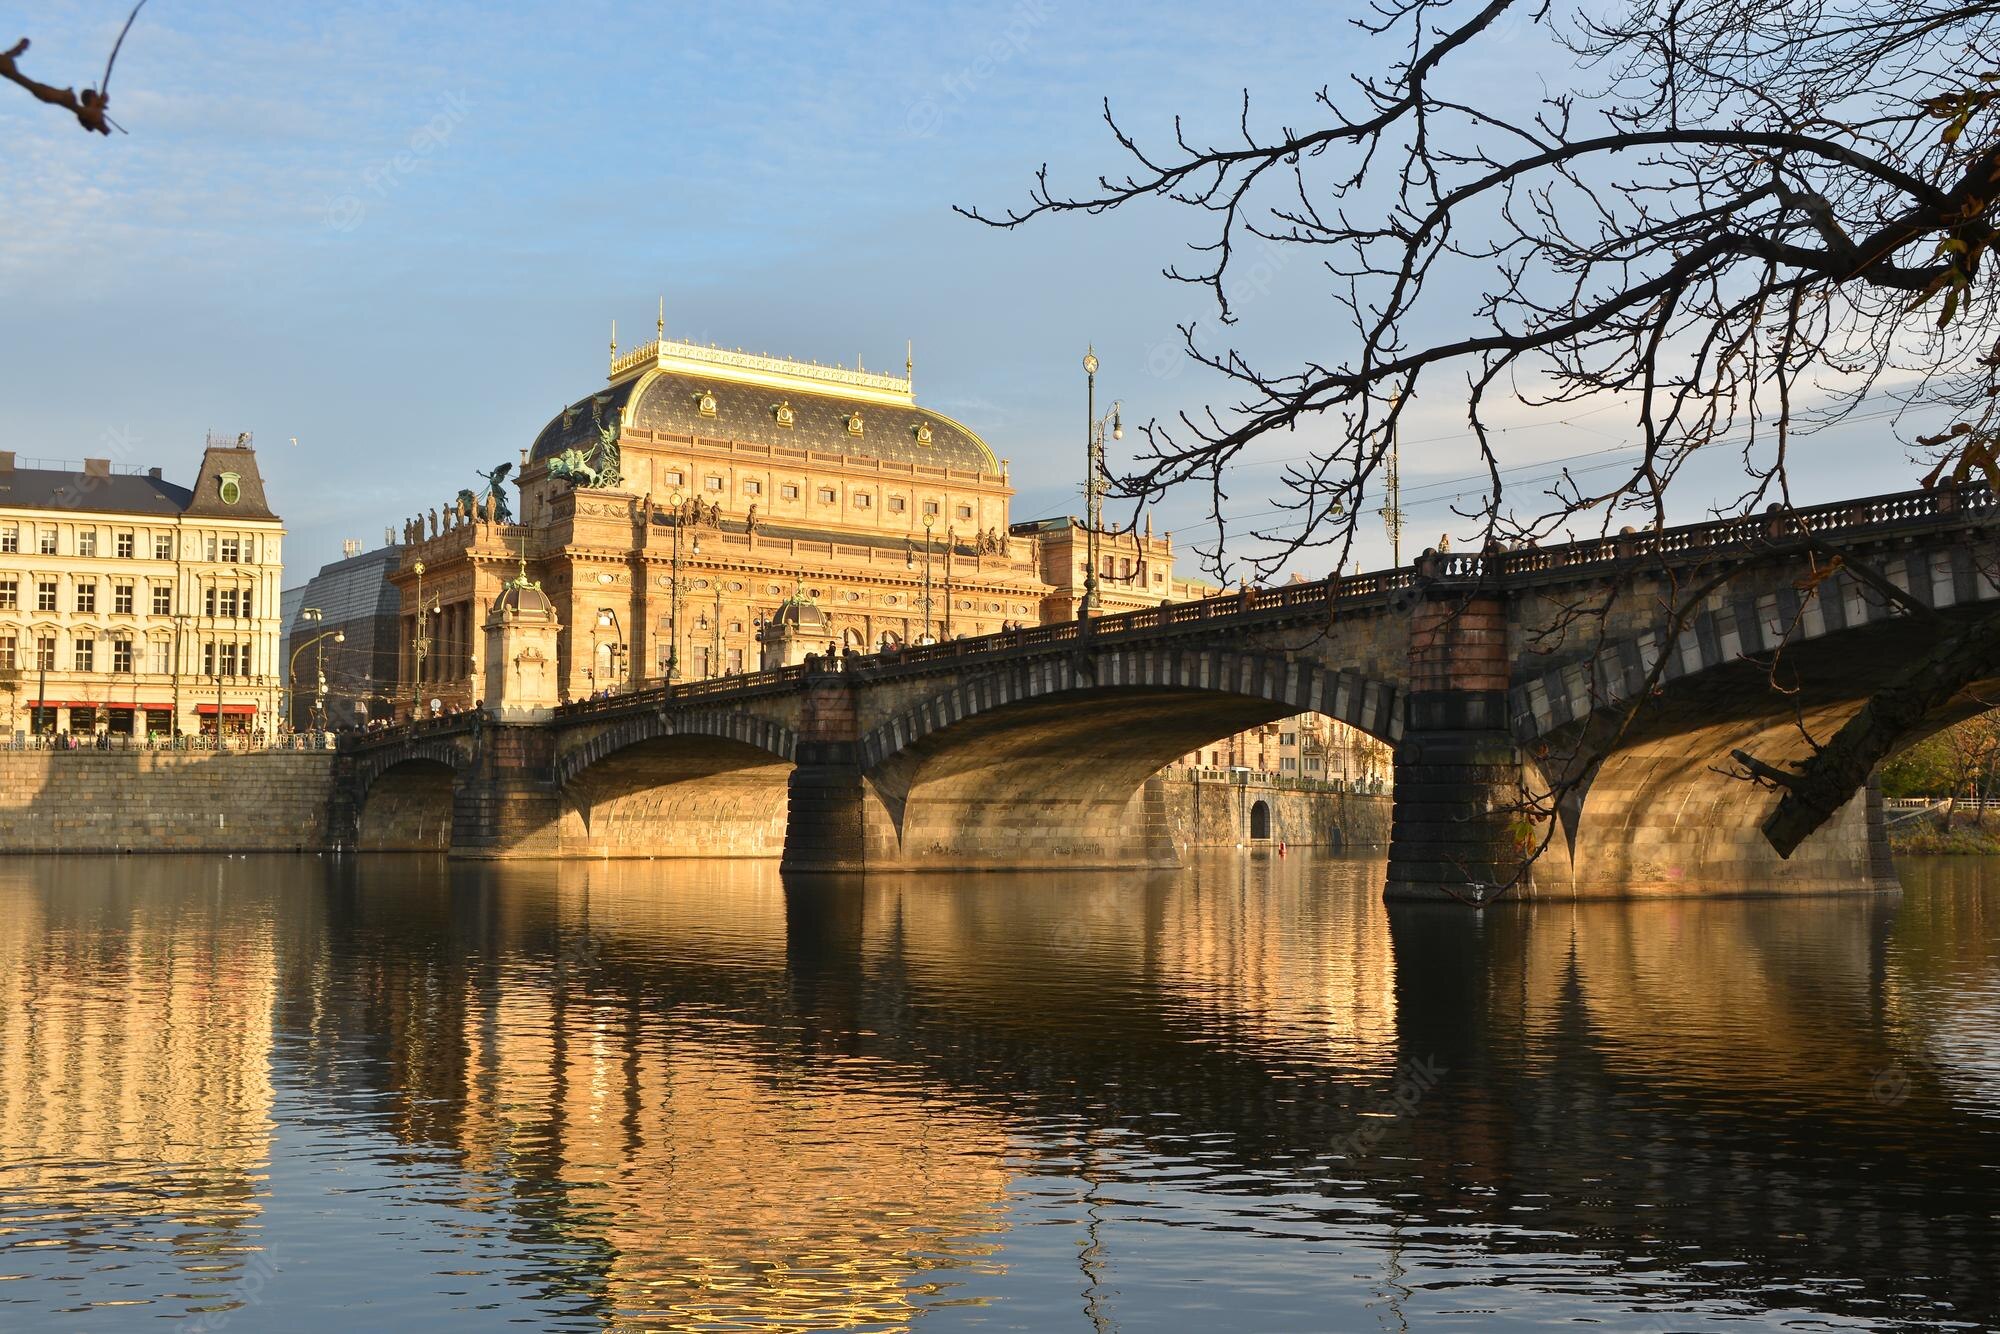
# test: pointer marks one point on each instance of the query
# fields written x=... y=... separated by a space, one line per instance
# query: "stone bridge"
x=1619 y=673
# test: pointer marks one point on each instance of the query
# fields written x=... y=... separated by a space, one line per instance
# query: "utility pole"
x=1392 y=513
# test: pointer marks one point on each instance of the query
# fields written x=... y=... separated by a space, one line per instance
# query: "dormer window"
x=923 y=434
x=704 y=403
x=783 y=412
x=231 y=488
x=854 y=423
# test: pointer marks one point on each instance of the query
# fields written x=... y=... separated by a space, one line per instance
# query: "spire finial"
x=614 y=340
x=660 y=325
x=910 y=362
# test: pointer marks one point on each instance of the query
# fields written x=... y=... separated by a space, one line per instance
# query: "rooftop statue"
x=496 y=492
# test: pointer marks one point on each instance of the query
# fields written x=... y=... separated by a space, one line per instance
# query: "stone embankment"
x=1209 y=812
x=163 y=801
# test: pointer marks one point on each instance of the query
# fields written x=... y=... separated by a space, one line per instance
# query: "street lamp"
x=420 y=645
x=1093 y=483
x=291 y=667
x=930 y=521
x=677 y=500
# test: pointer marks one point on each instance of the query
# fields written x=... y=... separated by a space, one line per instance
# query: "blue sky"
x=399 y=233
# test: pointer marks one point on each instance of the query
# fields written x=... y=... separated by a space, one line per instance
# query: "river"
x=306 y=1094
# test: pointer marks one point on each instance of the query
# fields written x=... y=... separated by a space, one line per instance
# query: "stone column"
x=826 y=819
x=1458 y=773
x=506 y=804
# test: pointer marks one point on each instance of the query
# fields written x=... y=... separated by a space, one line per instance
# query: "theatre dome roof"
x=686 y=389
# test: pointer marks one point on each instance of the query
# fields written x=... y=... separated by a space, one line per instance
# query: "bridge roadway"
x=1490 y=674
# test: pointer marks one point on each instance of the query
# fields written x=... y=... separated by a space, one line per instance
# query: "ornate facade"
x=671 y=513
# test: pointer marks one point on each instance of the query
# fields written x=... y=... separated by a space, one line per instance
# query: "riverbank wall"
x=1206 y=812
x=164 y=801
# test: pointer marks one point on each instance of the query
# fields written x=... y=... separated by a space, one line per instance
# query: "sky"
x=398 y=234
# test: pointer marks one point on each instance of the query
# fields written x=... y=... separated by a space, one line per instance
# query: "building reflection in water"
x=136 y=1104
x=642 y=1094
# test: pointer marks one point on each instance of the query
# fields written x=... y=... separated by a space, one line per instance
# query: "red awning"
x=227 y=708
x=65 y=704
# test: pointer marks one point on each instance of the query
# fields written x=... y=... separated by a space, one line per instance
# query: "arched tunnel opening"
x=679 y=796
x=407 y=809
x=1062 y=780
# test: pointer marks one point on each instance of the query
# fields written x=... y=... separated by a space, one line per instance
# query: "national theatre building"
x=675 y=510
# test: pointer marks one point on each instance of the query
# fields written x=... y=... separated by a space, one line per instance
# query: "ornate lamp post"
x=420 y=646
x=607 y=619
x=677 y=500
x=291 y=668
x=1093 y=482
x=930 y=521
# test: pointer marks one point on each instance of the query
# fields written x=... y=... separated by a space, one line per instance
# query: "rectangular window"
x=163 y=546
x=208 y=659
x=163 y=662
x=86 y=595
x=45 y=653
x=676 y=478
x=897 y=505
x=930 y=507
x=753 y=488
x=228 y=660
x=246 y=604
x=45 y=595
x=10 y=594
x=208 y=596
x=713 y=483
x=227 y=599
x=10 y=538
x=163 y=600
x=1288 y=763
x=9 y=646
x=863 y=501
x=965 y=511
x=46 y=542
x=735 y=661
x=826 y=495
x=789 y=491
x=86 y=541
x=125 y=546
x=121 y=656
x=84 y=654
x=232 y=550
x=121 y=599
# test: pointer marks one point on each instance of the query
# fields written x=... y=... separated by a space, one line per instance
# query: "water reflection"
x=630 y=1095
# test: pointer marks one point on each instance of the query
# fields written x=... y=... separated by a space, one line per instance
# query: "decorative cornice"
x=749 y=368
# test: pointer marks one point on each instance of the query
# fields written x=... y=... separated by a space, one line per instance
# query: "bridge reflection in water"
x=623 y=1094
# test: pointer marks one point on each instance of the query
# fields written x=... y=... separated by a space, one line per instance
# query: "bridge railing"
x=1342 y=592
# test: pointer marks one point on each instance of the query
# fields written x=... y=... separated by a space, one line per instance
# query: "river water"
x=303 y=1094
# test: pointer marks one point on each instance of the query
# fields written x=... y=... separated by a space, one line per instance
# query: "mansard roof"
x=686 y=389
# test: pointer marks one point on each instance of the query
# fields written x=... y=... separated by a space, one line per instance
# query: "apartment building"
x=133 y=605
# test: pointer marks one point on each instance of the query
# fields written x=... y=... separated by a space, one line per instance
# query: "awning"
x=65 y=704
x=227 y=708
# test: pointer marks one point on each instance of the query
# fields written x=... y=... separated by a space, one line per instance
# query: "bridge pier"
x=1458 y=772
x=506 y=804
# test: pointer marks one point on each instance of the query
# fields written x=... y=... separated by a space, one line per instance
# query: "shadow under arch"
x=407 y=807
x=1046 y=763
x=678 y=795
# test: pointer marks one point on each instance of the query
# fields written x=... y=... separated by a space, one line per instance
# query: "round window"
x=232 y=488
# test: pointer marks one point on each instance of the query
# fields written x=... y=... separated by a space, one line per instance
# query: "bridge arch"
x=1654 y=808
x=705 y=783
x=1044 y=761
x=404 y=796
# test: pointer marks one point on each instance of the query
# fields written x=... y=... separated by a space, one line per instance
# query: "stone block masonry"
x=164 y=801
x=1210 y=813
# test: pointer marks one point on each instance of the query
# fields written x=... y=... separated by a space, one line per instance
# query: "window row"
x=84 y=597
x=125 y=544
x=715 y=484
x=119 y=654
